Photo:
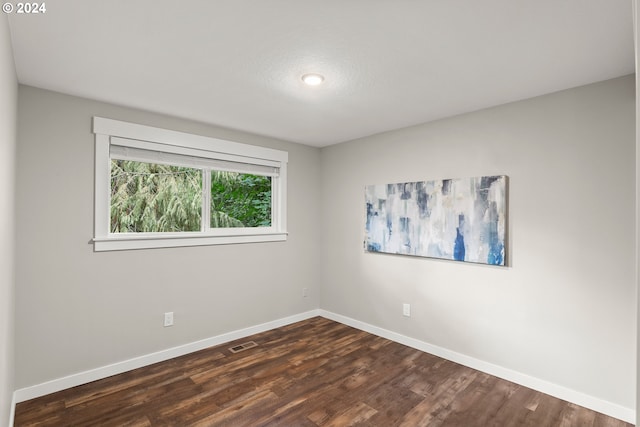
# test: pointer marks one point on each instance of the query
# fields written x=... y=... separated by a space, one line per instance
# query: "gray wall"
x=8 y=110
x=636 y=17
x=564 y=309
x=77 y=310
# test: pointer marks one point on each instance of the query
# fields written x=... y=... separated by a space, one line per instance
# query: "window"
x=160 y=188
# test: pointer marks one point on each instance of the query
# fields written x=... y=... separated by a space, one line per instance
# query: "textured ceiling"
x=387 y=64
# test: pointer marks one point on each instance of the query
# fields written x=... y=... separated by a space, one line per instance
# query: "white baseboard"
x=80 y=378
x=12 y=410
x=564 y=393
x=599 y=405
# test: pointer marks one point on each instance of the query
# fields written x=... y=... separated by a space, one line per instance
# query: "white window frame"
x=110 y=132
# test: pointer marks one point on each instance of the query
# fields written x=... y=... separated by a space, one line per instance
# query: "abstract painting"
x=457 y=219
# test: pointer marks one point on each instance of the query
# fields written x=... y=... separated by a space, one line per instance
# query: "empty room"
x=291 y=213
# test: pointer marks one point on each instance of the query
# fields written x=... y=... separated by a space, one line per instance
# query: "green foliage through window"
x=244 y=198
x=149 y=197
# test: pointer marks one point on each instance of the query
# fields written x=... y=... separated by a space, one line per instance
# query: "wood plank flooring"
x=311 y=373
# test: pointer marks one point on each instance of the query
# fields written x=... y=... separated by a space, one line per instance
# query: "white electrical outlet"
x=305 y=292
x=168 y=318
x=406 y=310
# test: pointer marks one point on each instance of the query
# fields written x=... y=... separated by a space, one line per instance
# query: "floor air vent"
x=242 y=347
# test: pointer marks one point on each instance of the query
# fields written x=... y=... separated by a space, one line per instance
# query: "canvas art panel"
x=460 y=219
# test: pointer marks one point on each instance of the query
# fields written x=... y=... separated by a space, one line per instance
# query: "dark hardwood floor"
x=311 y=373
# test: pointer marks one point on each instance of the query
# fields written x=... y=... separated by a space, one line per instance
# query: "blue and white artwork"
x=457 y=219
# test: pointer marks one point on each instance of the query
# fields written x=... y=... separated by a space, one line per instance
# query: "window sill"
x=123 y=243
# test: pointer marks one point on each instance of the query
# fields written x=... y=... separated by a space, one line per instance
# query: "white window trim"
x=136 y=136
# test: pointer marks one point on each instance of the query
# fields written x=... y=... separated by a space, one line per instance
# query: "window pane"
x=148 y=197
x=240 y=200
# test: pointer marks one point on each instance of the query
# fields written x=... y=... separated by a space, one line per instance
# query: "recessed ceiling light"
x=312 y=79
